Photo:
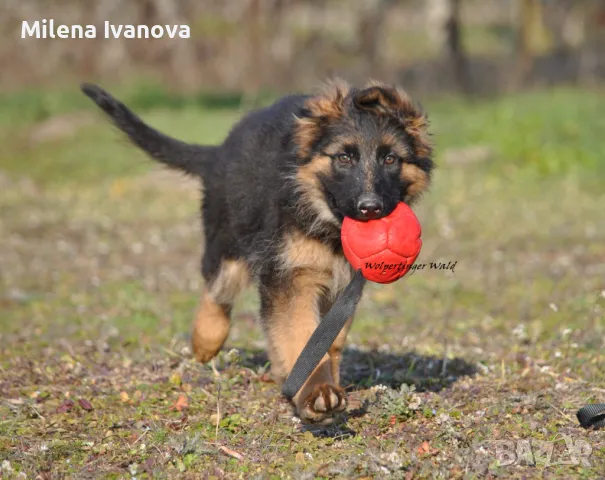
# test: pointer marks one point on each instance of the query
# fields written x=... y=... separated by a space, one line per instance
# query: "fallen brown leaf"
x=180 y=404
x=85 y=404
x=66 y=406
x=426 y=449
x=266 y=378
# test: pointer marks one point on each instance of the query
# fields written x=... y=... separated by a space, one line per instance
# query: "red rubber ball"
x=384 y=249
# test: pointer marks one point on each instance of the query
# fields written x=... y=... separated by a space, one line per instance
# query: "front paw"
x=322 y=404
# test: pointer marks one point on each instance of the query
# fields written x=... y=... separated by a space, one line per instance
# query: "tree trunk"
x=531 y=38
x=455 y=47
x=370 y=28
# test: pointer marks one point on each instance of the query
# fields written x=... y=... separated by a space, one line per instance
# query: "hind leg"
x=336 y=349
x=210 y=328
x=212 y=322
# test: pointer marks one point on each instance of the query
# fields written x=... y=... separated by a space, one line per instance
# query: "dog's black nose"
x=370 y=206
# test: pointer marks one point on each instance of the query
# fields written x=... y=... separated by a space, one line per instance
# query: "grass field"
x=99 y=255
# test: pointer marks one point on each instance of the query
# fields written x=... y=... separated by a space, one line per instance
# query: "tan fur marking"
x=330 y=102
x=417 y=179
x=368 y=181
x=210 y=329
x=233 y=277
x=325 y=107
x=211 y=325
x=292 y=322
x=336 y=349
x=338 y=144
x=303 y=254
x=307 y=174
x=368 y=176
x=306 y=133
x=399 y=104
x=417 y=128
x=309 y=187
x=391 y=140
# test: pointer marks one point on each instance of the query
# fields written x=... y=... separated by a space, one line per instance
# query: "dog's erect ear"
x=378 y=99
x=329 y=104
x=393 y=102
x=381 y=98
x=321 y=110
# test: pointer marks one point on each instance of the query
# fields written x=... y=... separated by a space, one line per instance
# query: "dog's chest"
x=310 y=256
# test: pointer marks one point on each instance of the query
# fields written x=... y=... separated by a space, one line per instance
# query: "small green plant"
x=402 y=403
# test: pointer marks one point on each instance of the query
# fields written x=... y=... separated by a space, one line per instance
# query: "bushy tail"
x=174 y=153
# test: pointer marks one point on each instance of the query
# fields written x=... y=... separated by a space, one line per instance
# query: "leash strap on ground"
x=324 y=335
x=592 y=415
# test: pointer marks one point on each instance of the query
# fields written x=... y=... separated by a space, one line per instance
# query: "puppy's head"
x=361 y=151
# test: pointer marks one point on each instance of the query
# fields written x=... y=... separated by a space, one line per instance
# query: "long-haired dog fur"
x=275 y=194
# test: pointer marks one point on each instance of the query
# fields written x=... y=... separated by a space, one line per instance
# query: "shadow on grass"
x=365 y=369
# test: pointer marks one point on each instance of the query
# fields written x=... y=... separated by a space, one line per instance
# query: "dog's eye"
x=390 y=159
x=344 y=158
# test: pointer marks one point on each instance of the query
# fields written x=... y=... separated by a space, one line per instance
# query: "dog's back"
x=253 y=178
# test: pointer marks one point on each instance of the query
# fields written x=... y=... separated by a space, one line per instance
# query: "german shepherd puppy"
x=275 y=195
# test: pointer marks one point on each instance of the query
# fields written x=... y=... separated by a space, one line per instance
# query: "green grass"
x=94 y=154
x=23 y=107
x=550 y=132
x=99 y=255
x=537 y=132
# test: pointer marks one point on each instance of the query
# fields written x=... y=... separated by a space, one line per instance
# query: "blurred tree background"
x=473 y=46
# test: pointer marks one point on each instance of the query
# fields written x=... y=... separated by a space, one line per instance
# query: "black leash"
x=592 y=415
x=324 y=335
